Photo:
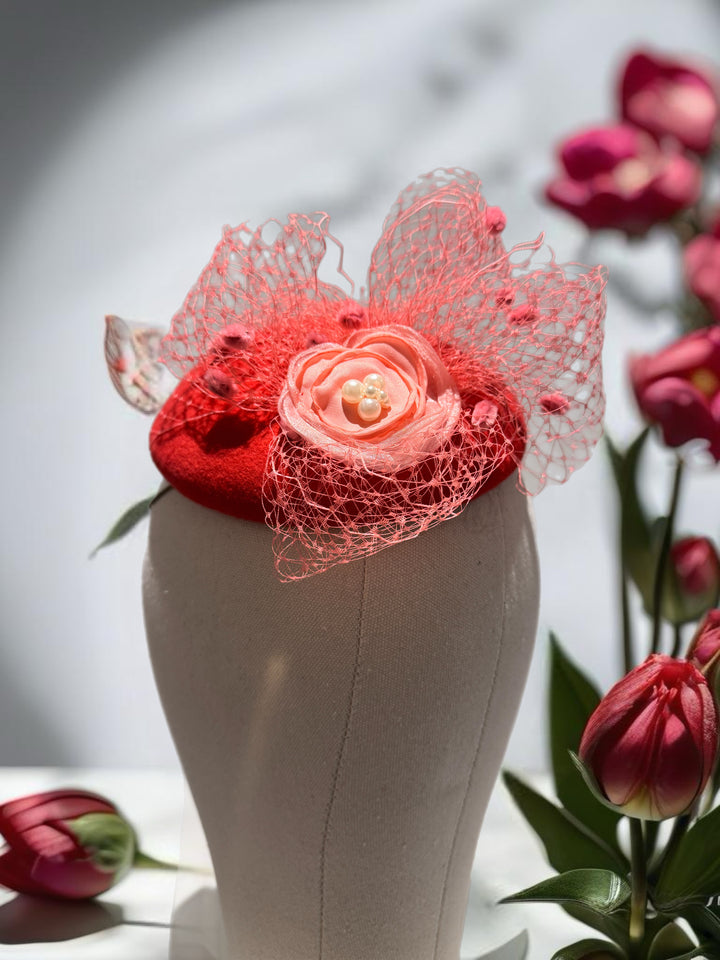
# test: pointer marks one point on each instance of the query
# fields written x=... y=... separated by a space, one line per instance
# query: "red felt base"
x=216 y=455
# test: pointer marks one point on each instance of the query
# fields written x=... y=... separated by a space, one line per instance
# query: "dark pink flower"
x=704 y=650
x=679 y=389
x=650 y=744
x=70 y=844
x=701 y=263
x=669 y=98
x=620 y=177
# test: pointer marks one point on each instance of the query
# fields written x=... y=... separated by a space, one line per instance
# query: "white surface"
x=130 y=921
x=116 y=196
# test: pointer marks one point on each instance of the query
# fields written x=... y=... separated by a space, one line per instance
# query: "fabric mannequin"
x=341 y=734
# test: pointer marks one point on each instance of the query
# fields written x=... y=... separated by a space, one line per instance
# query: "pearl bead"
x=369 y=409
x=374 y=380
x=382 y=396
x=353 y=390
x=371 y=391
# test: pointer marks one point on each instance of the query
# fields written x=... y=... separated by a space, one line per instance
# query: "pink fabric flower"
x=470 y=339
x=670 y=97
x=701 y=263
x=619 y=177
x=421 y=407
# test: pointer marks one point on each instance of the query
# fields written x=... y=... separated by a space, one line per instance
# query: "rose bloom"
x=326 y=401
x=679 y=389
x=669 y=97
x=620 y=177
x=701 y=264
x=704 y=649
x=70 y=844
x=650 y=744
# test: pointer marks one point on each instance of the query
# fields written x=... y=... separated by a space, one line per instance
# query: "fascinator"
x=341 y=585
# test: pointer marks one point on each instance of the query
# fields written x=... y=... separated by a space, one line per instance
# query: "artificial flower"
x=620 y=178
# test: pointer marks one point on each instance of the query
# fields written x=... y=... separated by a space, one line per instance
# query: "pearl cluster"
x=369 y=394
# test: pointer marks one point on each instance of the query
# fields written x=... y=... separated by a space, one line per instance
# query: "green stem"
x=627 y=639
x=677 y=833
x=661 y=568
x=638 y=879
x=677 y=642
x=146 y=862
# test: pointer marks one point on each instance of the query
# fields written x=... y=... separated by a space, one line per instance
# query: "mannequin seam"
x=341 y=753
x=483 y=727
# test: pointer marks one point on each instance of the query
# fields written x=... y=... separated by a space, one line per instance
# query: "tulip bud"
x=704 y=650
x=650 y=745
x=695 y=579
x=70 y=844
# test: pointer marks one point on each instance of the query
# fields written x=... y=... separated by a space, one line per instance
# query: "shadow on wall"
x=22 y=724
x=55 y=57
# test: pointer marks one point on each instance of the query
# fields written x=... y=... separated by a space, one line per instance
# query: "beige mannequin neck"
x=341 y=734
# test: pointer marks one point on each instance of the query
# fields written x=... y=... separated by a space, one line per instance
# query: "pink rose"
x=701 y=262
x=382 y=401
x=619 y=177
x=669 y=97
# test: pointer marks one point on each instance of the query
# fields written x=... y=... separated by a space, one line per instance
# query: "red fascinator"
x=351 y=424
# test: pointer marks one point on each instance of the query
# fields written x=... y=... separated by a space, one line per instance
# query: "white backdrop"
x=131 y=136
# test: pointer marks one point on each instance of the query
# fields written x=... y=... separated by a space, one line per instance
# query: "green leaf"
x=573 y=698
x=132 y=516
x=693 y=870
x=615 y=926
x=600 y=890
x=670 y=942
x=589 y=948
x=706 y=924
x=569 y=844
x=635 y=531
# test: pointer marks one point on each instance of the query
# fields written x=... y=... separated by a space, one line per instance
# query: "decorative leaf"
x=132 y=354
x=669 y=943
x=569 y=845
x=600 y=890
x=693 y=870
x=589 y=948
x=137 y=512
x=573 y=698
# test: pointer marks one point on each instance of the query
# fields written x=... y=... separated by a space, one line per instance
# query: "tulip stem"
x=627 y=639
x=661 y=568
x=146 y=862
x=677 y=642
x=638 y=878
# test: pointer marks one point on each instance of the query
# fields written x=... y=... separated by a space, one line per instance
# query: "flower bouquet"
x=647 y=751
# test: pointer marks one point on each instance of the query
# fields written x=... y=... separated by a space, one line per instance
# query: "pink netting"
x=519 y=335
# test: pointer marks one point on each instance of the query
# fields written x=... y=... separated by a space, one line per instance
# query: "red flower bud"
x=701 y=262
x=650 y=745
x=704 y=650
x=679 y=389
x=697 y=567
x=620 y=177
x=70 y=844
x=669 y=98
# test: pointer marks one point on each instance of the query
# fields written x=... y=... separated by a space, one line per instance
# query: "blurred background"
x=131 y=133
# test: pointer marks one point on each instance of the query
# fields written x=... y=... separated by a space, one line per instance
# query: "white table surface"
x=131 y=921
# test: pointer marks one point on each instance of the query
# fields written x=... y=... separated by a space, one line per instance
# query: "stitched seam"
x=341 y=753
x=481 y=738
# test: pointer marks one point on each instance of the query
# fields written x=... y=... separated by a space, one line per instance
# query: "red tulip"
x=696 y=565
x=650 y=745
x=704 y=650
x=670 y=98
x=620 y=177
x=679 y=389
x=701 y=262
x=64 y=843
